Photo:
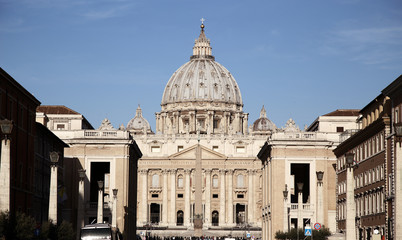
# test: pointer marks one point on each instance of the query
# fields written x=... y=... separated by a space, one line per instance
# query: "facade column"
x=270 y=180
x=299 y=205
x=100 y=202
x=210 y=122
x=114 y=212
x=5 y=176
x=165 y=198
x=350 y=205
x=181 y=128
x=229 y=175
x=157 y=117
x=81 y=210
x=192 y=122
x=264 y=203
x=226 y=122
x=144 y=197
x=177 y=122
x=251 y=192
x=187 y=196
x=320 y=200
x=162 y=123
x=172 y=221
x=208 y=215
x=53 y=194
x=222 y=206
x=245 y=123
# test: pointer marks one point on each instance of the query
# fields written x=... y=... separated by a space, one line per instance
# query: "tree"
x=25 y=226
x=65 y=231
x=292 y=234
x=16 y=227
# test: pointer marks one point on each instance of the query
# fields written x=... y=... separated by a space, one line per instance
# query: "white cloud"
x=107 y=11
x=380 y=45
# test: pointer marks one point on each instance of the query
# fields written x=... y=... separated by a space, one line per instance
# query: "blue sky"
x=301 y=59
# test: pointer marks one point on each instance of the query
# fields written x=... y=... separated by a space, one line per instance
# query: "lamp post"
x=100 y=202
x=6 y=129
x=350 y=199
x=285 y=210
x=300 y=205
x=320 y=200
x=54 y=159
x=80 y=213
x=114 y=217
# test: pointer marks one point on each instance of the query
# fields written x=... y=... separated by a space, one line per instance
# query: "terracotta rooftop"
x=344 y=112
x=55 y=109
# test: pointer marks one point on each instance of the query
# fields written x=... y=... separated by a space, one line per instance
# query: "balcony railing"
x=94 y=205
x=306 y=206
x=347 y=134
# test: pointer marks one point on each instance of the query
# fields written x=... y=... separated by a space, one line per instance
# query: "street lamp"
x=300 y=186
x=114 y=217
x=300 y=205
x=80 y=214
x=285 y=192
x=350 y=198
x=6 y=128
x=320 y=197
x=320 y=176
x=100 y=202
x=54 y=159
x=349 y=159
x=285 y=209
x=81 y=174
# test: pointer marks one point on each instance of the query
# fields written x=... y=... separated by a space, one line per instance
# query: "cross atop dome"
x=202 y=24
x=202 y=47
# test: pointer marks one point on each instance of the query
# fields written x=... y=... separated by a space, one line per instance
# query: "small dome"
x=138 y=123
x=263 y=123
x=202 y=79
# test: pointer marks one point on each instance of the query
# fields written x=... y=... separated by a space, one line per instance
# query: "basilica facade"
x=201 y=122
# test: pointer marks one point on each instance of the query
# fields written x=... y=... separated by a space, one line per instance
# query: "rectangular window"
x=240 y=149
x=214 y=195
x=155 y=195
x=339 y=129
x=60 y=126
x=240 y=195
x=179 y=148
x=155 y=149
x=216 y=123
x=180 y=195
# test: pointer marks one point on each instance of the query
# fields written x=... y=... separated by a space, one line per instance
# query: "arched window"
x=215 y=181
x=180 y=181
x=179 y=218
x=215 y=218
x=240 y=181
x=155 y=180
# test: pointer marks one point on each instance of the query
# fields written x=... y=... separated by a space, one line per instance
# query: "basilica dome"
x=202 y=79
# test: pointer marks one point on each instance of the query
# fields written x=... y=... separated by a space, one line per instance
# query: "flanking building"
x=369 y=193
x=298 y=174
x=105 y=154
